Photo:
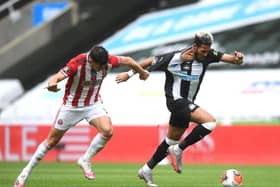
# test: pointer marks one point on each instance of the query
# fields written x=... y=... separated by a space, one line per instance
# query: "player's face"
x=202 y=51
x=95 y=66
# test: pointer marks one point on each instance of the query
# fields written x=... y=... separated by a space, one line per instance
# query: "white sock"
x=37 y=156
x=146 y=168
x=96 y=145
x=177 y=149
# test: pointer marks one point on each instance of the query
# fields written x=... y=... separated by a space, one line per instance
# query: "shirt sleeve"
x=114 y=61
x=70 y=68
x=215 y=56
x=161 y=62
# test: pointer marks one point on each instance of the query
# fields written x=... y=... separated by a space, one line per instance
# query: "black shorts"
x=180 y=111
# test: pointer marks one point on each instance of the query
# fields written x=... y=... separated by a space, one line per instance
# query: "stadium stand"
x=265 y=37
x=63 y=45
x=263 y=44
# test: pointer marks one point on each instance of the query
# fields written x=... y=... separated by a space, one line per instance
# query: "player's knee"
x=170 y=141
x=107 y=133
x=209 y=125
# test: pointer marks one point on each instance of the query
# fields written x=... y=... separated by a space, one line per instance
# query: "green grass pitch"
x=124 y=175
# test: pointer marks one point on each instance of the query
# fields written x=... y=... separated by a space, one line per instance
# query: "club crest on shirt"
x=60 y=122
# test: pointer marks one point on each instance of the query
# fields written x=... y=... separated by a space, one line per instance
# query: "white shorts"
x=68 y=117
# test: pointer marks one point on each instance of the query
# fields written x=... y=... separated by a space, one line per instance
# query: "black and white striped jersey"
x=183 y=78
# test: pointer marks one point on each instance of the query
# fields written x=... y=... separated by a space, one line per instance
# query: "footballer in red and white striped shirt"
x=81 y=100
x=84 y=83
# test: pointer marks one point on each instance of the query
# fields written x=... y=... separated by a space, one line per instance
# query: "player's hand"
x=52 y=88
x=122 y=77
x=188 y=55
x=239 y=57
x=144 y=75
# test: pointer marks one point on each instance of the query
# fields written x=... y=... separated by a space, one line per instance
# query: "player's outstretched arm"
x=124 y=76
x=130 y=62
x=237 y=58
x=54 y=80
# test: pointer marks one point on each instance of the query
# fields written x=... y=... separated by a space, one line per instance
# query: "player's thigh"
x=200 y=115
x=103 y=124
x=180 y=110
x=175 y=133
x=68 y=117
x=99 y=118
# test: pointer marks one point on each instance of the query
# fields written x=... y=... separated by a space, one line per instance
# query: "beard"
x=198 y=57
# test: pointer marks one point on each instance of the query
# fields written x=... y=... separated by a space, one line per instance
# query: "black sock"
x=160 y=154
x=197 y=134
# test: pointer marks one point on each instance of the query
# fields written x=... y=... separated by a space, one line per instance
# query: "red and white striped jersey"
x=83 y=84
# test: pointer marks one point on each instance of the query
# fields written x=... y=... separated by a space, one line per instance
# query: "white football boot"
x=86 y=167
x=176 y=158
x=147 y=177
x=20 y=180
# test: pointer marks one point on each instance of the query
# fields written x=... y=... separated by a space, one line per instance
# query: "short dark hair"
x=99 y=55
x=205 y=38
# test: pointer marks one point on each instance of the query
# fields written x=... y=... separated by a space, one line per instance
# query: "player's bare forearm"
x=137 y=68
x=147 y=62
x=144 y=64
x=54 y=80
x=124 y=76
x=143 y=74
x=237 y=58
